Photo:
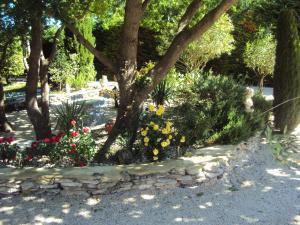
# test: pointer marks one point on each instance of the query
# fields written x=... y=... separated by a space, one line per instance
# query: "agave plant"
x=70 y=111
x=162 y=93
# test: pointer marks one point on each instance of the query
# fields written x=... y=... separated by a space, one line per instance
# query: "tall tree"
x=85 y=58
x=287 y=72
x=133 y=95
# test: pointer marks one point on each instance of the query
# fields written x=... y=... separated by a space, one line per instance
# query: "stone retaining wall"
x=111 y=179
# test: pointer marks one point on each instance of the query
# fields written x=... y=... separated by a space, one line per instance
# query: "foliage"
x=211 y=109
x=85 y=58
x=259 y=54
x=157 y=134
x=8 y=151
x=282 y=145
x=13 y=61
x=70 y=111
x=216 y=41
x=64 y=68
x=75 y=148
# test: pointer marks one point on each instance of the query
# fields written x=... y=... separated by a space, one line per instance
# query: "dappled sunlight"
x=249 y=219
x=135 y=213
x=147 y=196
x=267 y=189
x=48 y=220
x=277 y=173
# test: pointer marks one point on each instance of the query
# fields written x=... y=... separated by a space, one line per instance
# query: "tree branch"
x=98 y=54
x=189 y=14
x=180 y=42
x=145 y=4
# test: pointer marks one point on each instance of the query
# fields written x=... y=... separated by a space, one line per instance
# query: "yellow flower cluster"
x=160 y=110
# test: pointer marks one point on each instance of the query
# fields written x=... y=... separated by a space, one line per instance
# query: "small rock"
x=144 y=186
x=193 y=171
x=29 y=186
x=49 y=186
x=166 y=183
x=70 y=184
x=9 y=190
x=186 y=180
x=211 y=167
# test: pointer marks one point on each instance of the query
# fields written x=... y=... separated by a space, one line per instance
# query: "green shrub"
x=210 y=109
x=67 y=112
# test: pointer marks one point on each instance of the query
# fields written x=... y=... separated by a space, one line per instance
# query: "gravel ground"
x=259 y=190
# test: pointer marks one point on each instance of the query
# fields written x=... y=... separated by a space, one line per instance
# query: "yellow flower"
x=146 y=139
x=170 y=137
x=155 y=152
x=182 y=140
x=160 y=110
x=168 y=142
x=146 y=144
x=155 y=127
x=144 y=133
x=169 y=124
x=155 y=158
x=164 y=144
x=147 y=128
x=165 y=131
x=152 y=123
x=151 y=108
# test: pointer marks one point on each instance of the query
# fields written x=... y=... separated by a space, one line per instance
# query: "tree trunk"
x=287 y=72
x=5 y=126
x=39 y=121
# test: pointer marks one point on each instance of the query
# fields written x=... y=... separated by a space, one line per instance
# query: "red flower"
x=2 y=140
x=47 y=140
x=73 y=151
x=82 y=164
x=73 y=146
x=9 y=139
x=34 y=144
x=86 y=130
x=74 y=133
x=61 y=134
x=14 y=157
x=28 y=158
x=73 y=123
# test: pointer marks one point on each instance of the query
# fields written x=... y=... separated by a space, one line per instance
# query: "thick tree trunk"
x=39 y=121
x=5 y=126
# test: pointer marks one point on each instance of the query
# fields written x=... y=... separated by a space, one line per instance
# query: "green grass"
x=15 y=86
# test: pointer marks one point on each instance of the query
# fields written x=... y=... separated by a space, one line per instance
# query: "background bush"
x=210 y=109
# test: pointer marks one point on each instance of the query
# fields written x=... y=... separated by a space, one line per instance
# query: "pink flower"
x=2 y=139
x=86 y=130
x=47 y=140
x=73 y=146
x=34 y=144
x=74 y=133
x=73 y=122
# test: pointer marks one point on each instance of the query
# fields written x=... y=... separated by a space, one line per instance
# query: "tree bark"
x=5 y=126
x=38 y=119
